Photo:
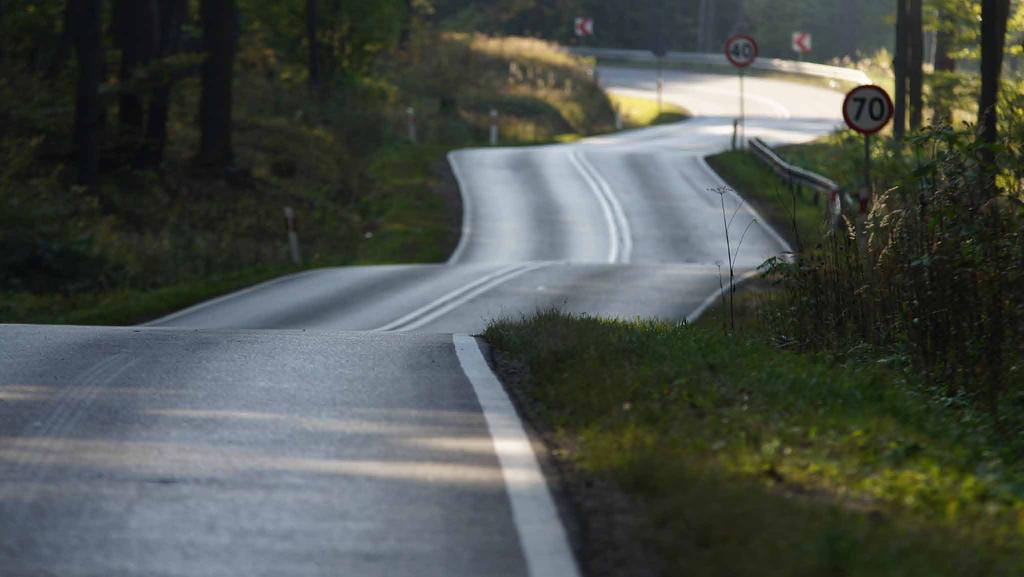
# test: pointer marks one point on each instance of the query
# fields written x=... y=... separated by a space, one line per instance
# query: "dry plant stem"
x=732 y=270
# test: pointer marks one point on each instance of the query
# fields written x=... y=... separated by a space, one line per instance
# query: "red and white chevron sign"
x=801 y=42
x=584 y=27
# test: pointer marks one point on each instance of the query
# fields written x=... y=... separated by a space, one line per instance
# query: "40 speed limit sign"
x=867 y=109
x=741 y=50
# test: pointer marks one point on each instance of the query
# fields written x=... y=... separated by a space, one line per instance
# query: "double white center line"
x=620 y=246
x=459 y=297
x=620 y=250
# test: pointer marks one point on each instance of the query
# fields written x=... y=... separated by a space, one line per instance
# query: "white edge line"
x=541 y=533
x=425 y=309
x=221 y=299
x=609 y=217
x=465 y=298
x=747 y=206
x=717 y=296
x=467 y=227
x=620 y=214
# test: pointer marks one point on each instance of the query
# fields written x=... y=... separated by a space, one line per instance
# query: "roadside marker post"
x=741 y=50
x=293 y=237
x=867 y=109
x=410 y=116
x=494 y=127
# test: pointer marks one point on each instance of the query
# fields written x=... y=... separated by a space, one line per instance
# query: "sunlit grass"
x=762 y=462
x=639 y=112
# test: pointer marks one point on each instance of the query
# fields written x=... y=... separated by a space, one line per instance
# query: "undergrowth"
x=754 y=461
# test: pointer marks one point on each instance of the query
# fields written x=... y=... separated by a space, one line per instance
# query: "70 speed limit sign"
x=867 y=109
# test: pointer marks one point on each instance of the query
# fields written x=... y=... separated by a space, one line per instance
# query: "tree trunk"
x=945 y=68
x=915 y=74
x=66 y=43
x=405 y=34
x=87 y=102
x=900 y=71
x=136 y=33
x=219 y=25
x=314 y=46
x=994 y=17
x=173 y=14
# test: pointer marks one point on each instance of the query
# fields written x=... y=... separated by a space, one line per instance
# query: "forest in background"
x=150 y=148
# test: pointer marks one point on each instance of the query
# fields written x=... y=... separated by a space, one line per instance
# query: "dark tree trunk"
x=900 y=71
x=945 y=67
x=314 y=46
x=67 y=37
x=915 y=74
x=219 y=24
x=136 y=32
x=405 y=34
x=87 y=103
x=173 y=14
x=994 y=17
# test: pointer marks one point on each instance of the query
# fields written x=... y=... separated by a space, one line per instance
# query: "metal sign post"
x=867 y=109
x=741 y=50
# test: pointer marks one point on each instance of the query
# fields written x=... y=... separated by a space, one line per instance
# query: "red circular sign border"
x=729 y=43
x=888 y=100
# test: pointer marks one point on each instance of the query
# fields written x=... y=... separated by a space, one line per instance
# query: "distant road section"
x=769 y=64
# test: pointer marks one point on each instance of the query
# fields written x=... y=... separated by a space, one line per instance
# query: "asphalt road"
x=355 y=437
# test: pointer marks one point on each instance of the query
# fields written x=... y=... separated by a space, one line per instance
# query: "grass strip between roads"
x=746 y=460
x=638 y=112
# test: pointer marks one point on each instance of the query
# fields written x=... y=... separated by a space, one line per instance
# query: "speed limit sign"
x=867 y=109
x=741 y=50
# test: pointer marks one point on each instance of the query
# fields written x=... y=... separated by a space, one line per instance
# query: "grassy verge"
x=799 y=216
x=130 y=306
x=746 y=460
x=639 y=112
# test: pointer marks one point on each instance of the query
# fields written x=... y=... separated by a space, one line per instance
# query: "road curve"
x=622 y=225
x=351 y=438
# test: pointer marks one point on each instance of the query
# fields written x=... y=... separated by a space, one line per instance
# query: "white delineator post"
x=410 y=116
x=293 y=237
x=494 y=127
x=618 y=117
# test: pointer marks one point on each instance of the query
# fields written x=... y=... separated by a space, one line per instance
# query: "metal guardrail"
x=797 y=177
x=770 y=64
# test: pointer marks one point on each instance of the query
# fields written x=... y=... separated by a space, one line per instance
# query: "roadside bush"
x=938 y=281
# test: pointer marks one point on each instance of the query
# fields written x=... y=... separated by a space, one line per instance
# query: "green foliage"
x=538 y=89
x=937 y=284
x=839 y=30
x=754 y=461
x=352 y=33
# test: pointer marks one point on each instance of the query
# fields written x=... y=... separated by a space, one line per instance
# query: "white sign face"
x=741 y=50
x=867 y=109
x=584 y=27
x=802 y=42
